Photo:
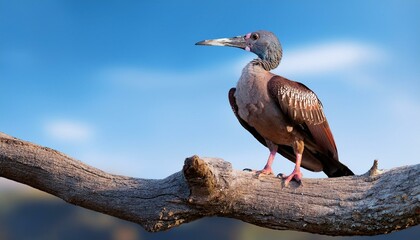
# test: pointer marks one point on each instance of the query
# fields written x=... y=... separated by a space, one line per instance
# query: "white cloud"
x=328 y=57
x=324 y=58
x=69 y=130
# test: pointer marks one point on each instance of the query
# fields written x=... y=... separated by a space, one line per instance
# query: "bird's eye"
x=255 y=36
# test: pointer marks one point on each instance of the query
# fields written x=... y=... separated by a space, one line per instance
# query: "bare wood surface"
x=377 y=202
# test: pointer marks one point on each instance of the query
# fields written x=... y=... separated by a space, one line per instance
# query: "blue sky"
x=122 y=87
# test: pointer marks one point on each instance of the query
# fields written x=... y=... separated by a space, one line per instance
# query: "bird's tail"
x=337 y=169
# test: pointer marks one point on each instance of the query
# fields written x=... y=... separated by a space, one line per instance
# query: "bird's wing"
x=310 y=162
x=304 y=109
x=297 y=101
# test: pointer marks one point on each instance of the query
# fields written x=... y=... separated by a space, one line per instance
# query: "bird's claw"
x=297 y=176
x=259 y=172
x=264 y=172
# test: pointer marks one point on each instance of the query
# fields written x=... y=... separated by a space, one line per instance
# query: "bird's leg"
x=298 y=147
x=273 y=150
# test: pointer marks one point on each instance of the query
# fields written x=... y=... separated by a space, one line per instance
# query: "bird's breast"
x=256 y=107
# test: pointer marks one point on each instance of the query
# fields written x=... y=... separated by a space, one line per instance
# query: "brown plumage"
x=305 y=112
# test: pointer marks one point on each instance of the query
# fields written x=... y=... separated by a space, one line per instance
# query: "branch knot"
x=200 y=178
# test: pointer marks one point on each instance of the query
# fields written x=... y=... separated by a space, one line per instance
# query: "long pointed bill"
x=238 y=42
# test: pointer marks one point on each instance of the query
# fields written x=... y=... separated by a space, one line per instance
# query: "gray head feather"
x=266 y=46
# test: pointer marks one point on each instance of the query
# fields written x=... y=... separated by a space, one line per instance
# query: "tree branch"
x=374 y=203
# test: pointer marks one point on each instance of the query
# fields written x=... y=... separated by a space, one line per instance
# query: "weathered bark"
x=373 y=203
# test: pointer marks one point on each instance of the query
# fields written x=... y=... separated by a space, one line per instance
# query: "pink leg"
x=296 y=174
x=267 y=168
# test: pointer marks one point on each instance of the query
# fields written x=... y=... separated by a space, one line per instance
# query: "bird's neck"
x=268 y=63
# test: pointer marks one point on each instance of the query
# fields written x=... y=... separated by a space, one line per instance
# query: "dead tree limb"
x=373 y=203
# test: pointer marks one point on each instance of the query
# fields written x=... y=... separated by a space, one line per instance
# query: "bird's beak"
x=238 y=42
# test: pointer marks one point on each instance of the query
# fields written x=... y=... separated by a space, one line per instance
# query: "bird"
x=283 y=115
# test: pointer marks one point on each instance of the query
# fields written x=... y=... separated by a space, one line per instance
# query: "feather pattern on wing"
x=297 y=101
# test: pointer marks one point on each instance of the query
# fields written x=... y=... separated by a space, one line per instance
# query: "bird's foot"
x=264 y=171
x=295 y=175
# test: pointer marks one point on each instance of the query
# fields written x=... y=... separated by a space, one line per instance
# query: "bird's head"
x=263 y=43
